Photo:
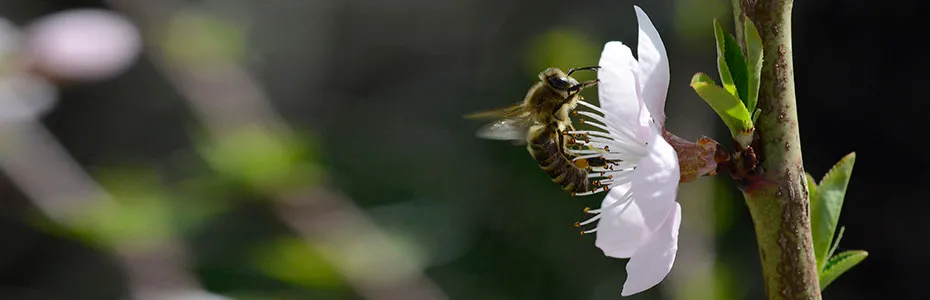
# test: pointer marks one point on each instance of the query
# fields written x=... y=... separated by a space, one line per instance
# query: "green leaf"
x=755 y=115
x=839 y=264
x=754 y=60
x=725 y=78
x=836 y=242
x=727 y=106
x=731 y=63
x=825 y=208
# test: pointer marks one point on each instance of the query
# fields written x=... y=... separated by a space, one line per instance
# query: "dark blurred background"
x=315 y=149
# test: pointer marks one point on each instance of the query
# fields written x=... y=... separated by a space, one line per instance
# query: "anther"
x=577 y=224
x=580 y=120
x=606 y=148
x=586 y=209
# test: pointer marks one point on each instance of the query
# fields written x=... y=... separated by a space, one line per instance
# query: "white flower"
x=639 y=218
x=83 y=44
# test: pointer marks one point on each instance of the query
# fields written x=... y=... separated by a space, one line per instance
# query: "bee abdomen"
x=547 y=151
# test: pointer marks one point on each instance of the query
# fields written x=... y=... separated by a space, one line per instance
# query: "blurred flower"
x=639 y=218
x=9 y=43
x=24 y=97
x=82 y=45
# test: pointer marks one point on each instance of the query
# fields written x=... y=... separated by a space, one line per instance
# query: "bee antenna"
x=573 y=70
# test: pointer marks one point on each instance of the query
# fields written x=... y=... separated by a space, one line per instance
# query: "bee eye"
x=560 y=83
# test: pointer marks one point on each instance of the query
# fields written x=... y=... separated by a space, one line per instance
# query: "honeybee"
x=543 y=123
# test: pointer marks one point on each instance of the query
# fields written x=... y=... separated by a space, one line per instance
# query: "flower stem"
x=778 y=200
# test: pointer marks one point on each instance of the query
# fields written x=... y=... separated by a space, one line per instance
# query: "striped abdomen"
x=544 y=145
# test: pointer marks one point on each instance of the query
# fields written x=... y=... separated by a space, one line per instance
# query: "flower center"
x=610 y=150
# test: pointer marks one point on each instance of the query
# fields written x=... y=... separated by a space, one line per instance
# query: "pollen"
x=582 y=164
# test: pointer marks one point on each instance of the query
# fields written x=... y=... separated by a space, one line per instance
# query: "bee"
x=542 y=122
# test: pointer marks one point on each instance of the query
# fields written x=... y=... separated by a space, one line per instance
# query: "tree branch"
x=778 y=200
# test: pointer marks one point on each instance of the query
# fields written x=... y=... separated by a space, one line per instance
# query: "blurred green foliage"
x=293 y=261
x=263 y=159
x=198 y=38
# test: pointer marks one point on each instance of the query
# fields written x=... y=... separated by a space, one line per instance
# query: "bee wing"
x=513 y=129
x=503 y=113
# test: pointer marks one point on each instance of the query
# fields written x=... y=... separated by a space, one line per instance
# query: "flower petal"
x=653 y=67
x=655 y=180
x=654 y=260
x=617 y=90
x=621 y=229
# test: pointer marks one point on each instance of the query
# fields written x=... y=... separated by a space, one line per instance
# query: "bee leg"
x=568 y=139
x=591 y=68
x=577 y=88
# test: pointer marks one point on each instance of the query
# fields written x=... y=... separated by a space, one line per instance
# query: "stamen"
x=589 y=151
x=591 y=192
x=591 y=106
x=588 y=221
x=626 y=199
x=586 y=132
x=586 y=157
x=611 y=124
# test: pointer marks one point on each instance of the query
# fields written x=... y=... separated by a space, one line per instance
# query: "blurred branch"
x=228 y=99
x=44 y=171
x=357 y=248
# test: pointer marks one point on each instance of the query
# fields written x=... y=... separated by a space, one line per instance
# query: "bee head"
x=558 y=80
